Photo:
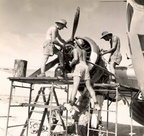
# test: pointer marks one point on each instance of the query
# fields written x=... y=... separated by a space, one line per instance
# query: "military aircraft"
x=131 y=76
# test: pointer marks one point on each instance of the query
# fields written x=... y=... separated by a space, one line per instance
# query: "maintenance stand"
x=48 y=107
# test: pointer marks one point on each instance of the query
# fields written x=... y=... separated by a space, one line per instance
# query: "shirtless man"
x=81 y=71
x=115 y=55
x=53 y=38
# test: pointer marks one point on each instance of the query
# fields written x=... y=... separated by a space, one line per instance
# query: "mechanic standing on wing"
x=115 y=55
x=53 y=38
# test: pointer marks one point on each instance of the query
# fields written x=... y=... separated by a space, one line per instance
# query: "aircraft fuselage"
x=126 y=76
x=135 y=26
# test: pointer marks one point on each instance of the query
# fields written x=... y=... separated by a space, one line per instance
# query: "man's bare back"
x=81 y=54
x=81 y=71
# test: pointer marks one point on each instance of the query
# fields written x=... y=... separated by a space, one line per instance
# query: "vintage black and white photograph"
x=72 y=67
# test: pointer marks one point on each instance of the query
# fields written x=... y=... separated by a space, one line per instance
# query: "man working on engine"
x=81 y=71
x=115 y=55
x=53 y=38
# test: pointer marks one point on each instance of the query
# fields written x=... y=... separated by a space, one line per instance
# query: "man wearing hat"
x=53 y=38
x=81 y=71
x=115 y=55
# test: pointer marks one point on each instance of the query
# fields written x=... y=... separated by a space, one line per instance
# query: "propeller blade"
x=75 y=23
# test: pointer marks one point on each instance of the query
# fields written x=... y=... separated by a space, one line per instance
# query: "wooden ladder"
x=49 y=107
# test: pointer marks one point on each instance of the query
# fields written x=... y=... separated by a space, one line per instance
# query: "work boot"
x=42 y=75
x=96 y=106
x=112 y=81
x=70 y=107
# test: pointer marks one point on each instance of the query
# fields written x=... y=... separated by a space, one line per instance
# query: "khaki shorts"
x=82 y=70
x=116 y=58
x=49 y=48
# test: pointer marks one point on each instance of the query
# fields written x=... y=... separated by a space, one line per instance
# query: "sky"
x=24 y=23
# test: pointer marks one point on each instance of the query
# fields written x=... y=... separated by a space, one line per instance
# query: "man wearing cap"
x=115 y=55
x=81 y=71
x=53 y=38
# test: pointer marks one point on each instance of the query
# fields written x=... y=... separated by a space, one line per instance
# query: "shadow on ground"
x=124 y=130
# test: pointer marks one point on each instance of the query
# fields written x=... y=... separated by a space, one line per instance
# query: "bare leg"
x=60 y=55
x=61 y=59
x=91 y=90
x=76 y=81
x=92 y=94
x=112 y=68
x=100 y=99
x=44 y=60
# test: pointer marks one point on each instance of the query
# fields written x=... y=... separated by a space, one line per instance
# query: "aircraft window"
x=141 y=2
x=141 y=39
x=129 y=15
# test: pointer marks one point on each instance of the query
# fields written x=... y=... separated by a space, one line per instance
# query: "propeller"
x=75 y=23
